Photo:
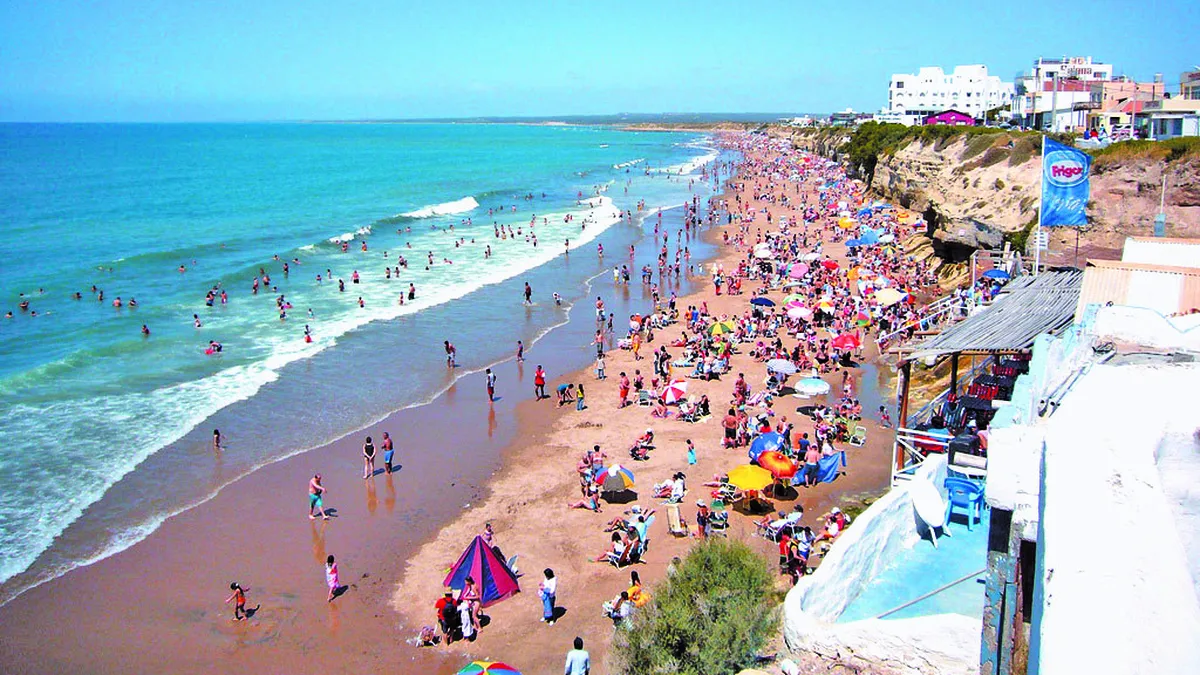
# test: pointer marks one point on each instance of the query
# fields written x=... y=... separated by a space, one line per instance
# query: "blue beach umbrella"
x=764 y=443
x=996 y=274
x=763 y=302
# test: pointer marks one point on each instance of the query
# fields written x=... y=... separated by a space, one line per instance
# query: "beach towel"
x=829 y=467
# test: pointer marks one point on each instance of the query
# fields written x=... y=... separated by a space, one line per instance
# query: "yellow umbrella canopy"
x=888 y=296
x=847 y=223
x=722 y=327
x=750 y=477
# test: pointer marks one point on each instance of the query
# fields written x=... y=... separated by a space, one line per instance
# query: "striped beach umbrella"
x=794 y=297
x=674 y=392
x=722 y=327
x=488 y=668
x=614 y=478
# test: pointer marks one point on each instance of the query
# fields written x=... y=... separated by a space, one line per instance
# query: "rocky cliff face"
x=978 y=190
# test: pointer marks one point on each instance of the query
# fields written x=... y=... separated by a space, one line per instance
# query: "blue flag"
x=1065 y=184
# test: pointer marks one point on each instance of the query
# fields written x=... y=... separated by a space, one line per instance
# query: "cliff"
x=979 y=190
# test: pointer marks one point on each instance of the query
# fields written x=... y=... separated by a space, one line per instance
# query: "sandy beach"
x=157 y=606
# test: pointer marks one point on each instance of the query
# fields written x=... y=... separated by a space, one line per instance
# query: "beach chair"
x=858 y=435
x=676 y=525
x=622 y=560
x=718 y=523
x=645 y=398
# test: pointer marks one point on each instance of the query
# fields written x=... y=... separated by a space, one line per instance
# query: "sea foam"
x=444 y=209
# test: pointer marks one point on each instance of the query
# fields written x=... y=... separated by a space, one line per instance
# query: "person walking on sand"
x=539 y=383
x=578 y=660
x=331 y=578
x=491 y=385
x=316 y=493
x=546 y=591
x=623 y=390
x=239 y=599
x=388 y=452
x=368 y=459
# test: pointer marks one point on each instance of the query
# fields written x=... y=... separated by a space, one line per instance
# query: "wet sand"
x=157 y=607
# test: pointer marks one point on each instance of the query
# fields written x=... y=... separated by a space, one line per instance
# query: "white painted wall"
x=1119 y=596
x=1161 y=252
x=1146 y=327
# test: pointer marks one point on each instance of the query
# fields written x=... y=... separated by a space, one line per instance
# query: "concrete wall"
x=1117 y=593
x=946 y=644
x=1148 y=328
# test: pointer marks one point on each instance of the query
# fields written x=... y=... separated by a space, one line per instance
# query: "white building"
x=969 y=89
x=1036 y=96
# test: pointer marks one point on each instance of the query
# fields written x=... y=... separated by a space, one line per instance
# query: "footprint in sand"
x=264 y=623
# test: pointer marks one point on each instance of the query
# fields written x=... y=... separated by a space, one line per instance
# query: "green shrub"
x=710 y=618
x=1020 y=238
x=1024 y=149
x=976 y=145
x=994 y=156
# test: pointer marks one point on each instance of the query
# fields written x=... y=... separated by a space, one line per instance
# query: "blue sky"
x=183 y=60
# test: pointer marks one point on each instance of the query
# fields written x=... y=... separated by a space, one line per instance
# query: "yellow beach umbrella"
x=888 y=296
x=847 y=223
x=722 y=327
x=750 y=477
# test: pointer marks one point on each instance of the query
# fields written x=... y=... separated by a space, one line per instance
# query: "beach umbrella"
x=722 y=327
x=674 y=392
x=846 y=223
x=862 y=318
x=763 y=302
x=846 y=341
x=825 y=306
x=852 y=243
x=614 y=478
x=802 y=313
x=488 y=668
x=809 y=257
x=997 y=274
x=887 y=238
x=797 y=271
x=782 y=366
x=765 y=442
x=762 y=253
x=829 y=264
x=812 y=386
x=750 y=477
x=794 y=297
x=779 y=464
x=888 y=296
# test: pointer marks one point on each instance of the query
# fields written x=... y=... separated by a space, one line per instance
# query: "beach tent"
x=491 y=575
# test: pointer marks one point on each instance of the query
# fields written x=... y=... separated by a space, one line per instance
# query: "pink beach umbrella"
x=798 y=271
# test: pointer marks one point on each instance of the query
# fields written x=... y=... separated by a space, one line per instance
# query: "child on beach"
x=388 y=452
x=600 y=366
x=239 y=595
x=579 y=406
x=331 y=578
x=885 y=420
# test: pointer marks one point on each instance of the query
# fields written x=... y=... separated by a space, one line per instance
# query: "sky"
x=246 y=60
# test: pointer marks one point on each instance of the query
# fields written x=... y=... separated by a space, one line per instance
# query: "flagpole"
x=1037 y=234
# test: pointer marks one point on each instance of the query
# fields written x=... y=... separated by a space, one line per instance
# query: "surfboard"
x=928 y=502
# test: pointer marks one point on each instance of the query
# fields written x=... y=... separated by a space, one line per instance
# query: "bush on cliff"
x=709 y=618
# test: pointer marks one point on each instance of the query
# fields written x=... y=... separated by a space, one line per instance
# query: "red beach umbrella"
x=778 y=464
x=845 y=341
x=829 y=264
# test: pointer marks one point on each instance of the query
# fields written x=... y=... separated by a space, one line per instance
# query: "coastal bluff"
x=981 y=190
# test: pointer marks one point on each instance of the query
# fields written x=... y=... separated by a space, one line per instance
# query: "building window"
x=899 y=85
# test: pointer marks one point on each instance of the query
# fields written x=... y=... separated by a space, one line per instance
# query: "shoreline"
x=272 y=496
x=388 y=561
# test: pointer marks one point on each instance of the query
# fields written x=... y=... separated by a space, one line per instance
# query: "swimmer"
x=145 y=329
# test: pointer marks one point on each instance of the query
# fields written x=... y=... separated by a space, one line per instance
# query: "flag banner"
x=1065 y=184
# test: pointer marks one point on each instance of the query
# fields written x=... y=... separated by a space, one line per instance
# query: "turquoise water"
x=924 y=569
x=86 y=400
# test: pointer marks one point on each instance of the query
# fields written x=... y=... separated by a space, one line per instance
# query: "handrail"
x=932 y=593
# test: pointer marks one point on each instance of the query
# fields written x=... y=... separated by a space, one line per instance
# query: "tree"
x=710 y=618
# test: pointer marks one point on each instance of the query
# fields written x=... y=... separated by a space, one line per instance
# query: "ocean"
x=165 y=213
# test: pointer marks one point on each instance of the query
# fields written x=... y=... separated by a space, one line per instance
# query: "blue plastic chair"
x=966 y=495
